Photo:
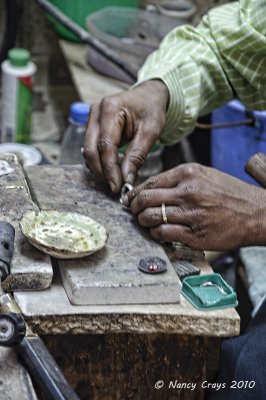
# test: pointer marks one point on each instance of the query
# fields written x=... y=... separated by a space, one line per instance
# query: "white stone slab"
x=50 y=312
x=114 y=278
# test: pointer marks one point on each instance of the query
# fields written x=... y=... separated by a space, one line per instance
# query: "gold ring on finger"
x=165 y=220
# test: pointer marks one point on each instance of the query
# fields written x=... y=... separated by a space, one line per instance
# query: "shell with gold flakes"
x=63 y=234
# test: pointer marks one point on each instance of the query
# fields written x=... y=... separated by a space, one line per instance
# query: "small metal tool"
x=12 y=324
x=127 y=187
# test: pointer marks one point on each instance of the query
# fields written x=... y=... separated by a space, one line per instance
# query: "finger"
x=173 y=233
x=153 y=216
x=111 y=165
x=112 y=126
x=167 y=179
x=137 y=152
x=90 y=149
x=154 y=198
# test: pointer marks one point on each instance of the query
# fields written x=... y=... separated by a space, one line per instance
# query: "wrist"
x=161 y=88
x=158 y=90
x=256 y=228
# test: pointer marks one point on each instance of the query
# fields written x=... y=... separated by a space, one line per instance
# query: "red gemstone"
x=153 y=267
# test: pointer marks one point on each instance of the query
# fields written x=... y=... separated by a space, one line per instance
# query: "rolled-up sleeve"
x=204 y=67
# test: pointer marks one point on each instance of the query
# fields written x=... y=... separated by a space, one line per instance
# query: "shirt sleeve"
x=205 y=67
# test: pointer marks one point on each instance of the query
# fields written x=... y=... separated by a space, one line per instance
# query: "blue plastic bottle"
x=74 y=136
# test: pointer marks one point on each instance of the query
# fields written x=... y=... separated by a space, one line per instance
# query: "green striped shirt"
x=207 y=66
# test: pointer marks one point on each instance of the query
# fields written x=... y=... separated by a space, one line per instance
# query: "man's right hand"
x=137 y=115
x=205 y=209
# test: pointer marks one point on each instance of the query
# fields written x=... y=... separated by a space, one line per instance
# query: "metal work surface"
x=30 y=269
x=111 y=275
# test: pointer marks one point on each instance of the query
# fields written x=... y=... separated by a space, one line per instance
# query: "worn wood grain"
x=119 y=366
x=256 y=168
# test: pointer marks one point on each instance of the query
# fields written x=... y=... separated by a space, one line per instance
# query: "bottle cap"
x=79 y=112
x=19 y=57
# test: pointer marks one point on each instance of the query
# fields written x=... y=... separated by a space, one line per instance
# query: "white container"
x=17 y=82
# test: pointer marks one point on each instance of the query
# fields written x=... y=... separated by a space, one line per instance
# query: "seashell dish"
x=63 y=234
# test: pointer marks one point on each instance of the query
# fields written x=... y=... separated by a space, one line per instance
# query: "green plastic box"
x=209 y=292
x=78 y=10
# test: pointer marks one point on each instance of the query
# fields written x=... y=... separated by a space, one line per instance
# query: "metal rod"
x=86 y=37
x=249 y=121
x=45 y=370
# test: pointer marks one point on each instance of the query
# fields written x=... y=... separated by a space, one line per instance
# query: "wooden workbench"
x=91 y=86
x=121 y=351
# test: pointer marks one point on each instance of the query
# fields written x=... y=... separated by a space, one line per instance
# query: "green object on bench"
x=209 y=292
x=78 y=11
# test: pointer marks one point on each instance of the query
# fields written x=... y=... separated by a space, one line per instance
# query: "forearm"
x=207 y=66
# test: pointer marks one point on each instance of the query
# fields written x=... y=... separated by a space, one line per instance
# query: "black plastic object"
x=12 y=329
x=45 y=370
x=7 y=236
x=11 y=8
x=152 y=265
x=185 y=268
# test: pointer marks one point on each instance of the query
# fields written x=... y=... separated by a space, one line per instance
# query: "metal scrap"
x=11 y=187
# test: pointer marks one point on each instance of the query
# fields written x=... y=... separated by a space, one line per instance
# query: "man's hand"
x=205 y=208
x=138 y=115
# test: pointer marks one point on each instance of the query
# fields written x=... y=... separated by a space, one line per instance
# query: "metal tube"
x=86 y=37
x=44 y=369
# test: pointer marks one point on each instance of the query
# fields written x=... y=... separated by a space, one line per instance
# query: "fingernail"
x=130 y=178
x=113 y=187
x=82 y=150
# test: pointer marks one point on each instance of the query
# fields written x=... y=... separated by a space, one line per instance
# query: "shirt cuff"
x=178 y=119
